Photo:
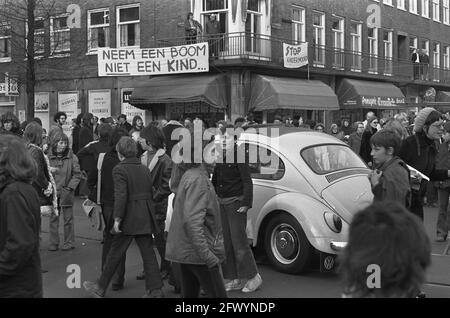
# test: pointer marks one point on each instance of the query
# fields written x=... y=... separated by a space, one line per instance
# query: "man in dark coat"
x=425 y=64
x=212 y=29
x=123 y=123
x=134 y=219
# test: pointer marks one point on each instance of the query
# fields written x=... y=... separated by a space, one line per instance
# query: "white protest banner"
x=129 y=110
x=100 y=103
x=190 y=58
x=295 y=56
x=68 y=103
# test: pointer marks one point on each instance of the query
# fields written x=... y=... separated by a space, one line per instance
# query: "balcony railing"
x=258 y=47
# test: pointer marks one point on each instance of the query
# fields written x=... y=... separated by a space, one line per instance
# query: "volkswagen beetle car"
x=306 y=188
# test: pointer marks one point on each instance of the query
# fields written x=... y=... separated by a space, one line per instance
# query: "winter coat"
x=67 y=176
x=366 y=147
x=76 y=139
x=88 y=155
x=422 y=158
x=42 y=181
x=195 y=233
x=394 y=183
x=160 y=180
x=354 y=141
x=86 y=136
x=443 y=162
x=107 y=186
x=133 y=198
x=20 y=223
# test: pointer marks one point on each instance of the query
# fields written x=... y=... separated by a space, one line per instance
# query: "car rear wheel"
x=286 y=244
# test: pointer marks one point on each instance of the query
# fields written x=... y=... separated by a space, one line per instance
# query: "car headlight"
x=333 y=221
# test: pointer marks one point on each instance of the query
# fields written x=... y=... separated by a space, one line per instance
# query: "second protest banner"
x=192 y=58
x=295 y=55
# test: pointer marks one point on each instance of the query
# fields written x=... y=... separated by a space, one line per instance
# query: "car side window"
x=263 y=163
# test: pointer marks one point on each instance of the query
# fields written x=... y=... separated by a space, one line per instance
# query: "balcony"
x=259 y=49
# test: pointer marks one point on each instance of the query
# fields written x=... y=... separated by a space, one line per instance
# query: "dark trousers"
x=417 y=203
x=195 y=276
x=119 y=246
x=443 y=222
x=160 y=242
x=239 y=263
x=108 y=218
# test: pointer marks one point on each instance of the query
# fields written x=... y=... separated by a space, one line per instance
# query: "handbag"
x=93 y=210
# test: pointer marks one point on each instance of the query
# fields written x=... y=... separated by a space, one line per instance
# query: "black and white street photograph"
x=232 y=156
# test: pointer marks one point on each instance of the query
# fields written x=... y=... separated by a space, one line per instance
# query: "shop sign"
x=192 y=58
x=371 y=101
x=68 y=103
x=129 y=110
x=295 y=56
x=100 y=103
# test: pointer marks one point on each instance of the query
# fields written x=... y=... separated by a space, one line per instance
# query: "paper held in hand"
x=416 y=173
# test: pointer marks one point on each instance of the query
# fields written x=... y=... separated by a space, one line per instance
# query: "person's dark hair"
x=387 y=235
x=115 y=136
x=239 y=120
x=320 y=125
x=122 y=116
x=87 y=120
x=23 y=125
x=58 y=115
x=386 y=139
x=104 y=130
x=277 y=117
x=433 y=117
x=16 y=162
x=188 y=15
x=37 y=120
x=369 y=121
x=79 y=119
x=153 y=136
x=311 y=123
x=250 y=117
x=127 y=147
x=33 y=133
x=59 y=136
x=9 y=117
x=135 y=119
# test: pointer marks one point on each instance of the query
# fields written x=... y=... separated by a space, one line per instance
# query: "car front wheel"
x=286 y=244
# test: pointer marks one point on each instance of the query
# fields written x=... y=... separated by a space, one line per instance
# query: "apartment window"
x=355 y=45
x=253 y=27
x=426 y=8
x=425 y=45
x=412 y=43
x=373 y=49
x=5 y=42
x=98 y=29
x=59 y=35
x=337 y=28
x=220 y=9
x=213 y=5
x=401 y=4
x=298 y=24
x=387 y=44
x=319 y=37
x=128 y=28
x=413 y=6
x=436 y=9
x=446 y=57
x=446 y=11
x=388 y=2
x=39 y=36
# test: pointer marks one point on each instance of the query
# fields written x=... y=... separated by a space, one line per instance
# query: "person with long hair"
x=20 y=222
x=11 y=124
x=192 y=29
x=366 y=148
x=137 y=125
x=388 y=242
x=76 y=133
x=67 y=175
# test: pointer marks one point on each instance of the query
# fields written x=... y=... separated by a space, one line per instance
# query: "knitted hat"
x=422 y=118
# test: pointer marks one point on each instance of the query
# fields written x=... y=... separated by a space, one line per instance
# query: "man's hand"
x=242 y=209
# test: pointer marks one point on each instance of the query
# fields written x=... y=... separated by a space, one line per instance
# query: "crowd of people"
x=128 y=171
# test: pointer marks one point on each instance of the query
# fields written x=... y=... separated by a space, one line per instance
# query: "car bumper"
x=338 y=246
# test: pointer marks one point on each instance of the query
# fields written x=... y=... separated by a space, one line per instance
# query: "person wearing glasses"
x=420 y=152
x=366 y=147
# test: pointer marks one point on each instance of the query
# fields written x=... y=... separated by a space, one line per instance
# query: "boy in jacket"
x=66 y=172
x=390 y=179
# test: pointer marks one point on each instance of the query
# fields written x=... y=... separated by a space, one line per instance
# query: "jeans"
x=69 y=230
x=194 y=276
x=108 y=217
x=239 y=262
x=443 y=222
x=119 y=246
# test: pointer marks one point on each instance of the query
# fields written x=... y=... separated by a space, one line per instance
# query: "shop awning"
x=210 y=89
x=354 y=94
x=270 y=93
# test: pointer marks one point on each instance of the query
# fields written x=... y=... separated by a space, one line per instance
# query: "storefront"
x=310 y=99
x=184 y=96
x=357 y=97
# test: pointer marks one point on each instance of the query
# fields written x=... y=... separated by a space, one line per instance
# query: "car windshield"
x=323 y=159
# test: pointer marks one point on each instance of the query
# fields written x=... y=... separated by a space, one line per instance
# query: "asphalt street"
x=313 y=284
